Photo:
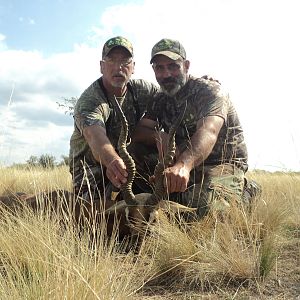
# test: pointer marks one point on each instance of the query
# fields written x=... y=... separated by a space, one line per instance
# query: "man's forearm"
x=202 y=142
x=106 y=154
x=145 y=135
x=201 y=145
x=102 y=149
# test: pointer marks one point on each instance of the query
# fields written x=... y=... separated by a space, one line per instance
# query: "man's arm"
x=148 y=133
x=202 y=143
x=104 y=152
x=145 y=132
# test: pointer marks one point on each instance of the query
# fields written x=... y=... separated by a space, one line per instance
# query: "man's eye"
x=173 y=67
x=159 y=68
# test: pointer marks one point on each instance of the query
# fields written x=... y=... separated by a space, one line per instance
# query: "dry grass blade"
x=248 y=255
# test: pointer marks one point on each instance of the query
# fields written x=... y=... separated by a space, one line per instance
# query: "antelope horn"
x=126 y=188
x=159 y=188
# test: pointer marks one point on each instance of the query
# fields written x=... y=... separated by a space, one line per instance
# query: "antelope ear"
x=175 y=207
x=116 y=208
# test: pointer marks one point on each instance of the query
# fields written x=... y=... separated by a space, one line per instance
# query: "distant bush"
x=46 y=161
x=68 y=105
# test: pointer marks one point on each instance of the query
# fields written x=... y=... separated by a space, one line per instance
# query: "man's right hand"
x=116 y=172
x=177 y=178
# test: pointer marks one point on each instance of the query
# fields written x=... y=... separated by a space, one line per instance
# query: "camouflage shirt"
x=204 y=98
x=93 y=107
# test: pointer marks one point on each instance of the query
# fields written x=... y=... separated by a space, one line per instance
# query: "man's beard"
x=170 y=86
x=120 y=83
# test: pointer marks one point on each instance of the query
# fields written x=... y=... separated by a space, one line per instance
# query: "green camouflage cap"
x=117 y=41
x=170 y=48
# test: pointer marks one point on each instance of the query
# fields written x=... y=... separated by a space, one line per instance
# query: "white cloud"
x=31 y=21
x=3 y=45
x=35 y=140
x=250 y=46
x=28 y=20
x=32 y=120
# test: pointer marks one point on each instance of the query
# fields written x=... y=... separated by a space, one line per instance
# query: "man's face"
x=170 y=74
x=117 y=67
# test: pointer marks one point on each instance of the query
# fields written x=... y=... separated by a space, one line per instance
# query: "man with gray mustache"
x=94 y=160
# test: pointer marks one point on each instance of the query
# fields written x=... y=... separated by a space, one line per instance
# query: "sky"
x=50 y=50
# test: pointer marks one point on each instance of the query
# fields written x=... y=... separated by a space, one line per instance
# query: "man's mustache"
x=169 y=80
x=119 y=75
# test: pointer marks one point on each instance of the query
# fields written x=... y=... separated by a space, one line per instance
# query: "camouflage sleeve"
x=214 y=101
x=91 y=109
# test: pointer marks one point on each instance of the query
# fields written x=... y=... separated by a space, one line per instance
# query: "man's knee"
x=214 y=194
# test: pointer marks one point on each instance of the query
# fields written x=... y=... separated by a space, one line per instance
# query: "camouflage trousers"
x=213 y=189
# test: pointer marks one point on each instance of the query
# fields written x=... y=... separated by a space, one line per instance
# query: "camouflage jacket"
x=93 y=107
x=204 y=98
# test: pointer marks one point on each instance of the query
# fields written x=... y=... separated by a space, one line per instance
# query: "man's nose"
x=117 y=66
x=166 y=73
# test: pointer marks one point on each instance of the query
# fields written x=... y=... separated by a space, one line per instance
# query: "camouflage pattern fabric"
x=94 y=108
x=252 y=190
x=117 y=41
x=170 y=48
x=221 y=176
x=217 y=188
x=204 y=98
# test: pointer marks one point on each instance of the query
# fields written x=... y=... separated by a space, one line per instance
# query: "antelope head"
x=143 y=208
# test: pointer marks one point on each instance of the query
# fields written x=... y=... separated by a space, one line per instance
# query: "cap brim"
x=130 y=52
x=171 y=55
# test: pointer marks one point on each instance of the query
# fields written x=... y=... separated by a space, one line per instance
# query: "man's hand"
x=177 y=178
x=116 y=172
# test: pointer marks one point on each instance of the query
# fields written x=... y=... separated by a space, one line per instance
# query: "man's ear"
x=186 y=65
x=101 y=66
x=133 y=67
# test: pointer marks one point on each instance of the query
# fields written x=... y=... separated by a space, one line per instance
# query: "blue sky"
x=49 y=26
x=50 y=50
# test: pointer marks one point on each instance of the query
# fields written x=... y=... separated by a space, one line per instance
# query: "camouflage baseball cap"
x=170 y=48
x=117 y=41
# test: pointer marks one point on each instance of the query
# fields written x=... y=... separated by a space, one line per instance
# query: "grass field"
x=250 y=255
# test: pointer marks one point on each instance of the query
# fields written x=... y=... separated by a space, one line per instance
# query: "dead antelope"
x=143 y=208
x=81 y=211
x=54 y=201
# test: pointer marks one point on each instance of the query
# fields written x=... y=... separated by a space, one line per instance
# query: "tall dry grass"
x=33 y=180
x=40 y=259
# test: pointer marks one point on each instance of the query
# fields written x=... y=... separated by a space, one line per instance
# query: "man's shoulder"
x=205 y=81
x=205 y=86
x=91 y=97
x=93 y=88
